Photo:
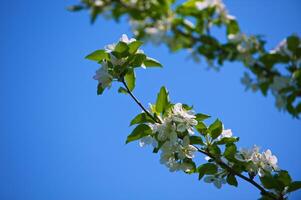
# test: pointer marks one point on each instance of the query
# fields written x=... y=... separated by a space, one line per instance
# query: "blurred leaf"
x=296 y=185
x=231 y=180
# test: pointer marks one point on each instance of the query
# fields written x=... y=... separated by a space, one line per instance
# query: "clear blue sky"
x=59 y=140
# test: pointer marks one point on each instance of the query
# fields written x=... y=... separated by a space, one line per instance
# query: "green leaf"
x=201 y=127
x=207 y=168
x=227 y=140
x=130 y=79
x=215 y=150
x=121 y=47
x=98 y=55
x=284 y=177
x=293 y=42
x=137 y=59
x=196 y=140
x=201 y=117
x=139 y=132
x=150 y=62
x=99 y=89
x=270 y=182
x=230 y=151
x=134 y=46
x=141 y=118
x=232 y=27
x=216 y=129
x=122 y=90
x=231 y=180
x=75 y=8
x=296 y=185
x=162 y=100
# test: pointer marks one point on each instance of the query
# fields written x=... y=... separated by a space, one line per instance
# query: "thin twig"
x=138 y=102
x=218 y=161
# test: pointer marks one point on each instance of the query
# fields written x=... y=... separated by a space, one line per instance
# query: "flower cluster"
x=154 y=31
x=118 y=62
x=258 y=163
x=219 y=7
x=103 y=74
x=173 y=133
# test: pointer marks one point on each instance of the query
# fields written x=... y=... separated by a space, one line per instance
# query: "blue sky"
x=59 y=140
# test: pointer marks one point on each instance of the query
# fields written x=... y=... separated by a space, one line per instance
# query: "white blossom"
x=186 y=150
x=103 y=76
x=259 y=163
x=185 y=119
x=110 y=47
x=124 y=38
x=148 y=140
x=98 y=3
x=282 y=49
x=226 y=133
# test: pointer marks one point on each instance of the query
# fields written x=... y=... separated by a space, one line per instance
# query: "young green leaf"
x=122 y=90
x=134 y=46
x=201 y=117
x=130 y=79
x=201 y=127
x=207 y=168
x=227 y=140
x=141 y=118
x=196 y=140
x=216 y=129
x=231 y=180
x=121 y=48
x=162 y=100
x=150 y=62
x=230 y=151
x=100 y=89
x=296 y=185
x=139 y=132
x=98 y=55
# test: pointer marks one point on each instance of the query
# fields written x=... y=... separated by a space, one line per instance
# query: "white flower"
x=186 y=150
x=124 y=38
x=269 y=160
x=98 y=3
x=166 y=130
x=103 y=76
x=185 y=119
x=147 y=140
x=236 y=37
x=110 y=47
x=282 y=48
x=201 y=5
x=226 y=133
x=258 y=162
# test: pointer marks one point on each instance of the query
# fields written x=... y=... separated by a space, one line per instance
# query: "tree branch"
x=217 y=160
